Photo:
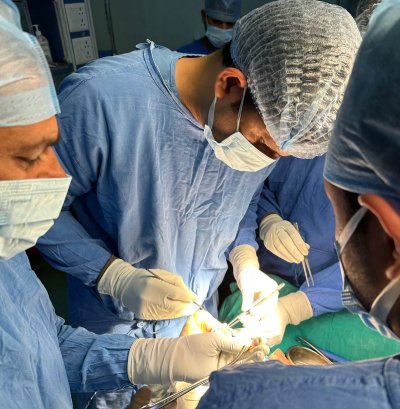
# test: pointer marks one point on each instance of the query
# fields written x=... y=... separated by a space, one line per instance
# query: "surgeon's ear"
x=389 y=219
x=230 y=85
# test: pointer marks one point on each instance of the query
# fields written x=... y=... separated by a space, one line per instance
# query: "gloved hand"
x=291 y=309
x=149 y=297
x=253 y=283
x=191 y=399
x=281 y=238
x=189 y=358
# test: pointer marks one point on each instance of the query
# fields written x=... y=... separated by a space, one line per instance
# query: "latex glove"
x=148 y=297
x=189 y=358
x=291 y=309
x=281 y=238
x=191 y=399
x=253 y=283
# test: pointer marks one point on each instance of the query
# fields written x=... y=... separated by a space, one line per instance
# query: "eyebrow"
x=45 y=142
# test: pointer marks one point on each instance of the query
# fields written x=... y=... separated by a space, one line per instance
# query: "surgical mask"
x=236 y=151
x=376 y=318
x=27 y=211
x=218 y=37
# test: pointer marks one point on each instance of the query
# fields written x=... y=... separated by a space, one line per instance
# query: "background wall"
x=172 y=23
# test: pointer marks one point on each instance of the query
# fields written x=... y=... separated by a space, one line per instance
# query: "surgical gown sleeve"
x=83 y=151
x=248 y=225
x=94 y=362
x=325 y=295
x=268 y=203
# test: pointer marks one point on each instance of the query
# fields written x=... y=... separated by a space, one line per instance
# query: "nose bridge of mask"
x=350 y=228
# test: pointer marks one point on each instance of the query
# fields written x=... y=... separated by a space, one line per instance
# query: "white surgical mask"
x=27 y=211
x=218 y=37
x=236 y=151
x=376 y=318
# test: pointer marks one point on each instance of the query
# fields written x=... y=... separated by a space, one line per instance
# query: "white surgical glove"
x=188 y=358
x=191 y=399
x=281 y=238
x=291 y=309
x=253 y=283
x=147 y=296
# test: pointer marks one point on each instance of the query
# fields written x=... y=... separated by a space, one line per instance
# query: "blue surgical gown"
x=371 y=384
x=295 y=191
x=41 y=359
x=195 y=47
x=146 y=186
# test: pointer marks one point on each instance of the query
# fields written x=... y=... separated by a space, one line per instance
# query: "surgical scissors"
x=305 y=263
x=258 y=302
x=169 y=399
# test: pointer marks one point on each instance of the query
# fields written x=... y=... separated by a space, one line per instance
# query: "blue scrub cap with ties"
x=227 y=11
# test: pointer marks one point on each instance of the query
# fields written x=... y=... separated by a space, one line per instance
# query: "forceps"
x=305 y=263
x=258 y=302
x=196 y=303
x=166 y=401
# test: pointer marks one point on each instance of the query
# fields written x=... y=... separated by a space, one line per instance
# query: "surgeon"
x=362 y=174
x=41 y=359
x=294 y=194
x=219 y=17
x=167 y=154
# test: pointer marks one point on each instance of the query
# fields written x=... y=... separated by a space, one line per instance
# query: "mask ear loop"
x=384 y=303
x=210 y=120
x=241 y=108
x=350 y=228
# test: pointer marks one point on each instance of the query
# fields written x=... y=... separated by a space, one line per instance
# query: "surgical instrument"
x=305 y=356
x=313 y=347
x=258 y=302
x=196 y=303
x=305 y=263
x=164 y=402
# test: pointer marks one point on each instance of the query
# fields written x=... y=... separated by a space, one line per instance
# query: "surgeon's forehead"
x=29 y=137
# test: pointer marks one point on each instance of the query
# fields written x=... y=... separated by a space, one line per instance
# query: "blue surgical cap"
x=227 y=11
x=364 y=151
x=297 y=57
x=27 y=93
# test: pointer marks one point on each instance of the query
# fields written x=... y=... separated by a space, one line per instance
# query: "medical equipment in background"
x=77 y=31
x=43 y=43
x=306 y=264
x=68 y=27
